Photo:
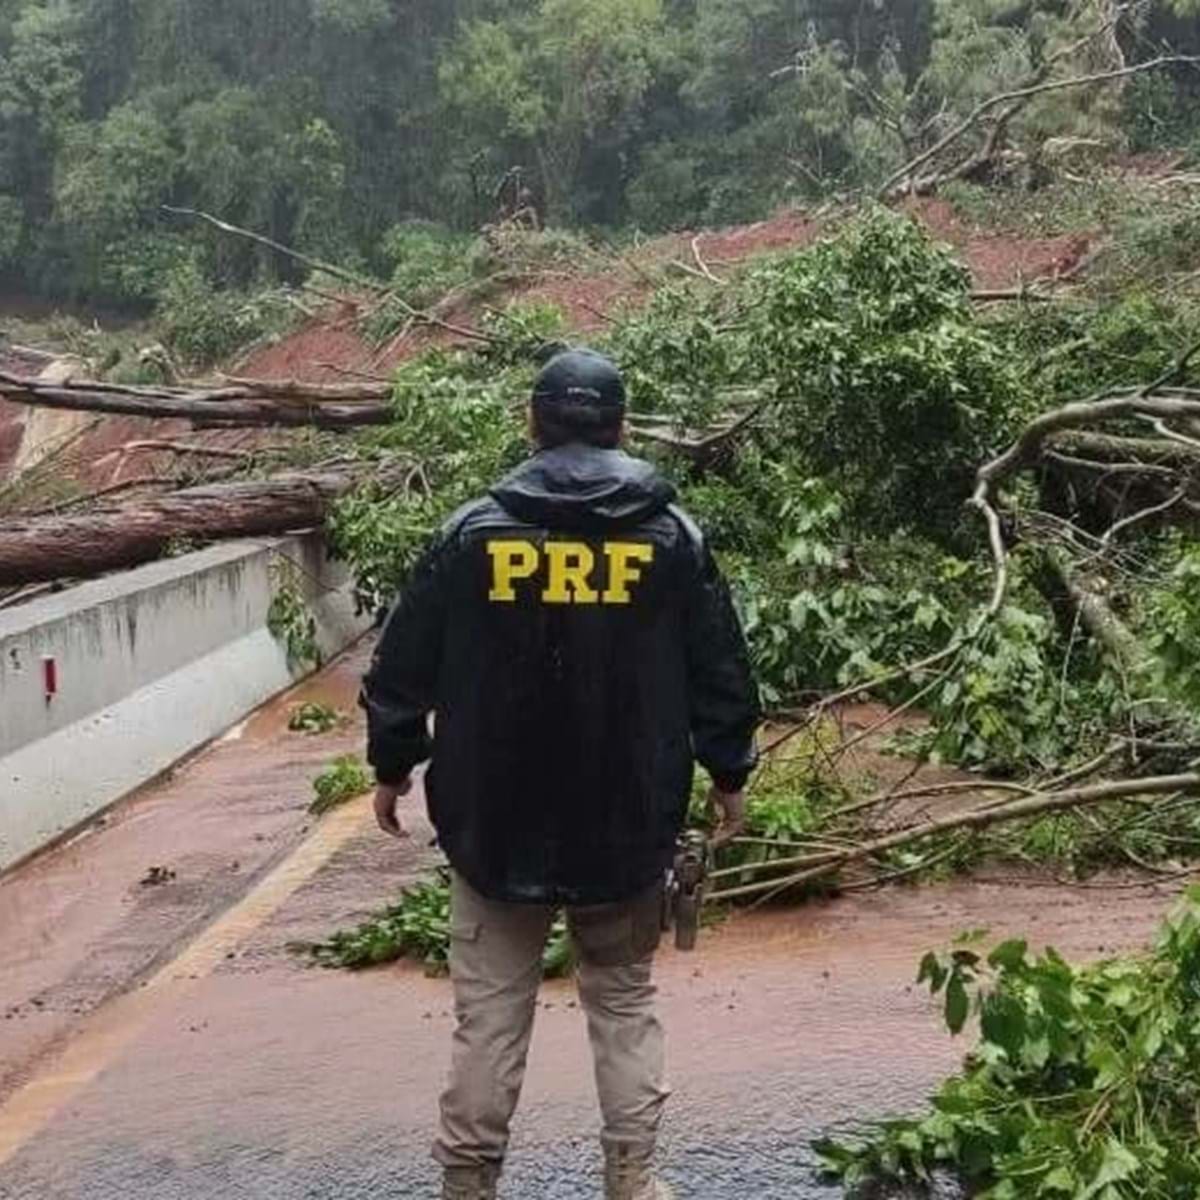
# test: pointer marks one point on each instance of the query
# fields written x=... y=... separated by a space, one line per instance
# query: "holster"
x=687 y=880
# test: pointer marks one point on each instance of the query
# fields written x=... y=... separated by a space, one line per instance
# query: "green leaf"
x=1036 y=1052
x=1009 y=955
x=1107 y=1063
x=933 y=972
x=1117 y=1165
x=958 y=1004
x=1061 y=1180
x=1002 y=1022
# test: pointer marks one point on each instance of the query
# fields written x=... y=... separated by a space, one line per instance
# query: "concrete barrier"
x=106 y=685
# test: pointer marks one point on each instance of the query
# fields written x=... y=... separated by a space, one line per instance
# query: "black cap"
x=580 y=380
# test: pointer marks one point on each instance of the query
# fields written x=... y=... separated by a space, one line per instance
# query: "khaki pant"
x=496 y=968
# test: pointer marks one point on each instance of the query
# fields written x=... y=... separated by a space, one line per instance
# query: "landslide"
x=90 y=452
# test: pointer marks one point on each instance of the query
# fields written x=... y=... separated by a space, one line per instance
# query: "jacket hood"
x=582 y=487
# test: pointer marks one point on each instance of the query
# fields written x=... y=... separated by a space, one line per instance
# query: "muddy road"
x=161 y=1041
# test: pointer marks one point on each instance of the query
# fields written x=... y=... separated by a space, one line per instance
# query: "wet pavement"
x=164 y=1042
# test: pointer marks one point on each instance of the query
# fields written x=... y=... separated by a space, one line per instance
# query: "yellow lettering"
x=570 y=565
x=511 y=561
x=625 y=561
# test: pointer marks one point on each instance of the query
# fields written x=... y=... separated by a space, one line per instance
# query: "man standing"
x=578 y=647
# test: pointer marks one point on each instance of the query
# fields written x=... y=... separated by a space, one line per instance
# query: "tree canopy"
x=328 y=123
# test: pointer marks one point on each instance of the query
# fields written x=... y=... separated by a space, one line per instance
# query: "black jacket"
x=578 y=646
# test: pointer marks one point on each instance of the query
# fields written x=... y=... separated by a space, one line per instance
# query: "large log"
x=240 y=404
x=1177 y=455
x=39 y=549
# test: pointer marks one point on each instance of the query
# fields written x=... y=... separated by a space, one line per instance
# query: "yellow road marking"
x=106 y=1034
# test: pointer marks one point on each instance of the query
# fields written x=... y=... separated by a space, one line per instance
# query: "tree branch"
x=1023 y=96
x=817 y=865
x=261 y=239
x=252 y=403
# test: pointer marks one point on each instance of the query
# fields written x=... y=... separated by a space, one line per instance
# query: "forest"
x=343 y=127
x=908 y=297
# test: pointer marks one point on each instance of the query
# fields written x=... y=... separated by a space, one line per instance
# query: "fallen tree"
x=232 y=404
x=861 y=836
x=43 y=549
x=834 y=501
x=807 y=868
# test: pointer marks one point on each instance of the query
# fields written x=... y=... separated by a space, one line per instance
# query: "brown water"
x=162 y=1042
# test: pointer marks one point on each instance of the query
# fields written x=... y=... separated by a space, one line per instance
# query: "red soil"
x=999 y=260
x=589 y=300
x=314 y=353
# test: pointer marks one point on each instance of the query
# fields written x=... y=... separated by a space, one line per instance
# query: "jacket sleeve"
x=723 y=696
x=400 y=689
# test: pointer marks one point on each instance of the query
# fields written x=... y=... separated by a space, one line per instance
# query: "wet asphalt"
x=251 y=1075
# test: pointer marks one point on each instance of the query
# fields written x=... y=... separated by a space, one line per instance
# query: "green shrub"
x=203 y=324
x=869 y=356
x=424 y=260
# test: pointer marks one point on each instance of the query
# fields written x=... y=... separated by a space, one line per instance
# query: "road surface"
x=166 y=1042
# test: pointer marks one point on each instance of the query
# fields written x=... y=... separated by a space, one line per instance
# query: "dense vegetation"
x=335 y=125
x=1083 y=1085
x=871 y=389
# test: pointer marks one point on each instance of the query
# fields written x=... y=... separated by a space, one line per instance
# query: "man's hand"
x=387 y=797
x=730 y=807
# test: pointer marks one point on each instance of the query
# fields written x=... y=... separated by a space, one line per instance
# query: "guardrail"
x=106 y=685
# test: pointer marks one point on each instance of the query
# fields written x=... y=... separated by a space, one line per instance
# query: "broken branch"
x=261 y=239
x=819 y=865
x=1020 y=97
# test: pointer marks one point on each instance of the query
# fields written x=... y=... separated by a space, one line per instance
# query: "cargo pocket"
x=618 y=935
x=465 y=931
x=466 y=953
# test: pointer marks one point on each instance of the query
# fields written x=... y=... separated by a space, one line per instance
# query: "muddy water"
x=78 y=926
x=250 y=1075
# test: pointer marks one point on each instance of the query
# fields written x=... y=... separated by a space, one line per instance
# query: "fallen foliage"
x=418 y=927
x=1083 y=1084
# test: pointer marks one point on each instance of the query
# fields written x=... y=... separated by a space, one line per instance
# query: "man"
x=577 y=645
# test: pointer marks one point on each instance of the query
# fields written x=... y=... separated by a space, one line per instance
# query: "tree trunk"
x=1113 y=448
x=1122 y=648
x=245 y=403
x=39 y=549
